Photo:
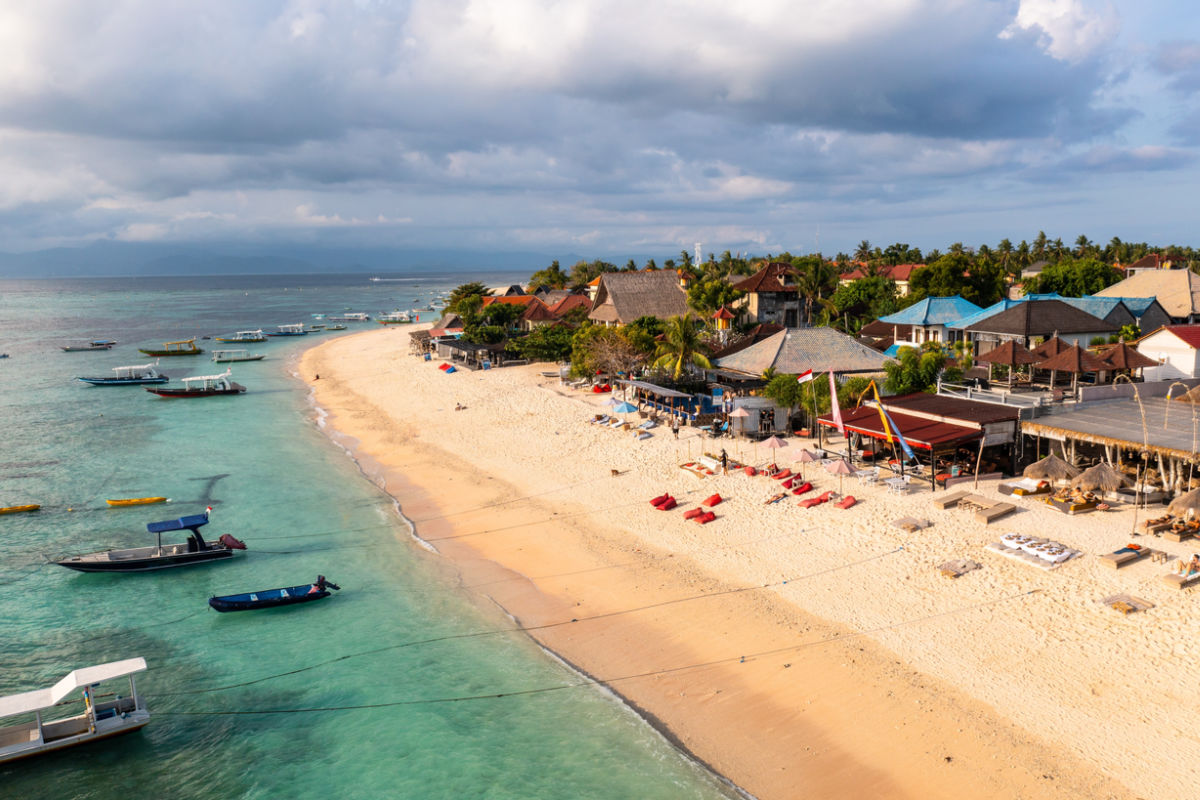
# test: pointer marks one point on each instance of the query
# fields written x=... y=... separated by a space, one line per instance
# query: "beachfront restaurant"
x=1158 y=449
x=950 y=436
x=469 y=354
x=689 y=408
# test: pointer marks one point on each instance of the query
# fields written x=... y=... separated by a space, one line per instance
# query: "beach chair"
x=599 y=419
x=1126 y=555
x=712 y=501
x=868 y=477
x=994 y=512
x=706 y=517
x=642 y=436
x=692 y=513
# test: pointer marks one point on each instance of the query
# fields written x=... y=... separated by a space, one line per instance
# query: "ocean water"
x=381 y=691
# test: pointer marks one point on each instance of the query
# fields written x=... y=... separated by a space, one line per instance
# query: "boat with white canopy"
x=200 y=386
x=103 y=715
x=245 y=337
x=196 y=550
x=224 y=356
x=289 y=330
x=130 y=376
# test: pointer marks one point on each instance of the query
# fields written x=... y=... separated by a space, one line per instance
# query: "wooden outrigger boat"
x=130 y=376
x=200 y=386
x=225 y=356
x=93 y=344
x=186 y=347
x=350 y=316
x=289 y=330
x=99 y=720
x=335 y=327
x=394 y=318
x=244 y=337
x=143 y=559
x=274 y=598
x=137 y=501
x=19 y=509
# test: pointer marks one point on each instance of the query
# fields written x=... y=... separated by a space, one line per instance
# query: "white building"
x=1176 y=348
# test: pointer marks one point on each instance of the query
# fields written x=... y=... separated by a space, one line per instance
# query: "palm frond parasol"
x=1103 y=476
x=1051 y=468
x=1181 y=505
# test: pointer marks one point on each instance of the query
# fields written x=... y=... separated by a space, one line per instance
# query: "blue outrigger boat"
x=273 y=598
x=130 y=376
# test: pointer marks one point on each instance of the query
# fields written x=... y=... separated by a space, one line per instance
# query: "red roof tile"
x=1188 y=333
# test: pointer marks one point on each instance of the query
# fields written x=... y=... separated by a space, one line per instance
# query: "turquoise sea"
x=379 y=692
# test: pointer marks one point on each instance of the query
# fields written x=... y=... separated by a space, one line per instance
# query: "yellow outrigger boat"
x=19 y=509
x=138 y=501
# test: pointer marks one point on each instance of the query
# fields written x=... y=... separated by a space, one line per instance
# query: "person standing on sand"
x=724 y=462
x=675 y=426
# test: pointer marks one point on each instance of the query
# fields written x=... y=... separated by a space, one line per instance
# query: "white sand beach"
x=799 y=652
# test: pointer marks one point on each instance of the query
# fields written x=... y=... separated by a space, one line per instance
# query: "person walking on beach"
x=724 y=462
x=675 y=426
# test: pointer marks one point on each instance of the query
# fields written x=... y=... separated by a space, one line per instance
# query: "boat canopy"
x=250 y=333
x=183 y=523
x=217 y=353
x=136 y=367
x=207 y=378
x=28 y=702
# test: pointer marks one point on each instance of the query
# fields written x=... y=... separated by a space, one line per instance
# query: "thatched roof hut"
x=1103 y=476
x=1185 y=503
x=1051 y=468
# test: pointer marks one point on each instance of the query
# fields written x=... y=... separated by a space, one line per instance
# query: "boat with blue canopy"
x=130 y=376
x=274 y=598
x=142 y=559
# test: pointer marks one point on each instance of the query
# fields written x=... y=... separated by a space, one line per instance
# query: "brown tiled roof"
x=879 y=329
x=768 y=279
x=897 y=272
x=1074 y=359
x=570 y=302
x=1041 y=318
x=512 y=300
x=1010 y=353
x=1122 y=356
x=537 y=312
x=951 y=409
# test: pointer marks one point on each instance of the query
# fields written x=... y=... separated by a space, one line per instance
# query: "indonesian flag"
x=804 y=377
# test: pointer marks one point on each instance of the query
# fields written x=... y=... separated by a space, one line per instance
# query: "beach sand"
x=816 y=653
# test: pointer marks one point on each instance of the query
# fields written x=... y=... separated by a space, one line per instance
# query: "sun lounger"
x=946 y=501
x=1157 y=525
x=1180 y=581
x=647 y=425
x=785 y=473
x=600 y=419
x=706 y=517
x=958 y=567
x=816 y=501
x=846 y=502
x=1178 y=534
x=1025 y=486
x=641 y=436
x=1035 y=552
x=789 y=483
x=1126 y=555
x=989 y=515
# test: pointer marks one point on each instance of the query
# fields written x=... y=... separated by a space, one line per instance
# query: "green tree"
x=545 y=343
x=552 y=276
x=503 y=315
x=466 y=297
x=784 y=390
x=1074 y=278
x=914 y=370
x=865 y=299
x=680 y=348
x=584 y=272
x=1130 y=333
x=706 y=296
x=595 y=348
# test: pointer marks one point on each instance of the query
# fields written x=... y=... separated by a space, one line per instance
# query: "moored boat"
x=226 y=356
x=143 y=559
x=273 y=598
x=335 y=327
x=100 y=719
x=186 y=347
x=245 y=337
x=91 y=344
x=200 y=386
x=137 y=501
x=289 y=330
x=130 y=376
x=351 y=316
x=19 y=509
x=393 y=318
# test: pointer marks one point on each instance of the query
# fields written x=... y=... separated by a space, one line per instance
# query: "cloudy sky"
x=601 y=127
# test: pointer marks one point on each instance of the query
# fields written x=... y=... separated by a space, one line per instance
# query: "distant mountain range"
x=118 y=259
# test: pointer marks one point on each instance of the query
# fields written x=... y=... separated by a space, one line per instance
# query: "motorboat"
x=19 y=509
x=143 y=559
x=351 y=316
x=274 y=598
x=289 y=330
x=130 y=376
x=185 y=347
x=91 y=344
x=200 y=386
x=244 y=337
x=103 y=716
x=226 y=356
x=393 y=318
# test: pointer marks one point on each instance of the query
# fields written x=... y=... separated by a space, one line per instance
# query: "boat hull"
x=136 y=501
x=19 y=509
x=269 y=598
x=130 y=723
x=233 y=340
x=87 y=564
x=86 y=349
x=237 y=360
x=123 y=381
x=166 y=353
x=178 y=393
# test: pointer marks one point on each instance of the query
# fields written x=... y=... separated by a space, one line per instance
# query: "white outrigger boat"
x=224 y=356
x=99 y=720
x=350 y=316
x=296 y=329
x=130 y=376
x=393 y=318
x=247 y=337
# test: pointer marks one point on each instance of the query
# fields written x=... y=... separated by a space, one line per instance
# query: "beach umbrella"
x=841 y=468
x=1103 y=476
x=1189 y=502
x=805 y=457
x=739 y=413
x=1011 y=354
x=624 y=408
x=774 y=443
x=1051 y=468
x=612 y=401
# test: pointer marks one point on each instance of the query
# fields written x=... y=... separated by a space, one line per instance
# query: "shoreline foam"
x=842 y=723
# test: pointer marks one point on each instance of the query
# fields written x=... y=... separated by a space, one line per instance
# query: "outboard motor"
x=232 y=543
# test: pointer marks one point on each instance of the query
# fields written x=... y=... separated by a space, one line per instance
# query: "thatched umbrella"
x=1051 y=468
x=1051 y=347
x=1073 y=360
x=1190 y=396
x=1122 y=356
x=1103 y=476
x=1181 y=505
x=1011 y=354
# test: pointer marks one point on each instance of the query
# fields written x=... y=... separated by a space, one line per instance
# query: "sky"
x=607 y=128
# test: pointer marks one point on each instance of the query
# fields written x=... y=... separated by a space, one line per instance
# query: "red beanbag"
x=662 y=498
x=712 y=501
x=667 y=506
x=443 y=367
x=692 y=513
x=846 y=502
x=706 y=517
x=751 y=471
x=802 y=488
x=596 y=389
x=783 y=473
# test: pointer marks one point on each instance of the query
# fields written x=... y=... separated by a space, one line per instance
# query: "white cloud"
x=1067 y=29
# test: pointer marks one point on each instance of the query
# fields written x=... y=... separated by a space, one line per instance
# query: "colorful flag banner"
x=888 y=424
x=837 y=409
x=804 y=377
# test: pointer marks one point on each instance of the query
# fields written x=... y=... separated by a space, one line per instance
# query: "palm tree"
x=680 y=347
x=1082 y=245
x=863 y=252
x=1039 y=246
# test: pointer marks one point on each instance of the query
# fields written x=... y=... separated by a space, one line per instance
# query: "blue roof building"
x=928 y=320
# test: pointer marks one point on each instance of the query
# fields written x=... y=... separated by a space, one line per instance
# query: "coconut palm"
x=680 y=347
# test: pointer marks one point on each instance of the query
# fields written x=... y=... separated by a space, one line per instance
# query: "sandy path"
x=866 y=674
